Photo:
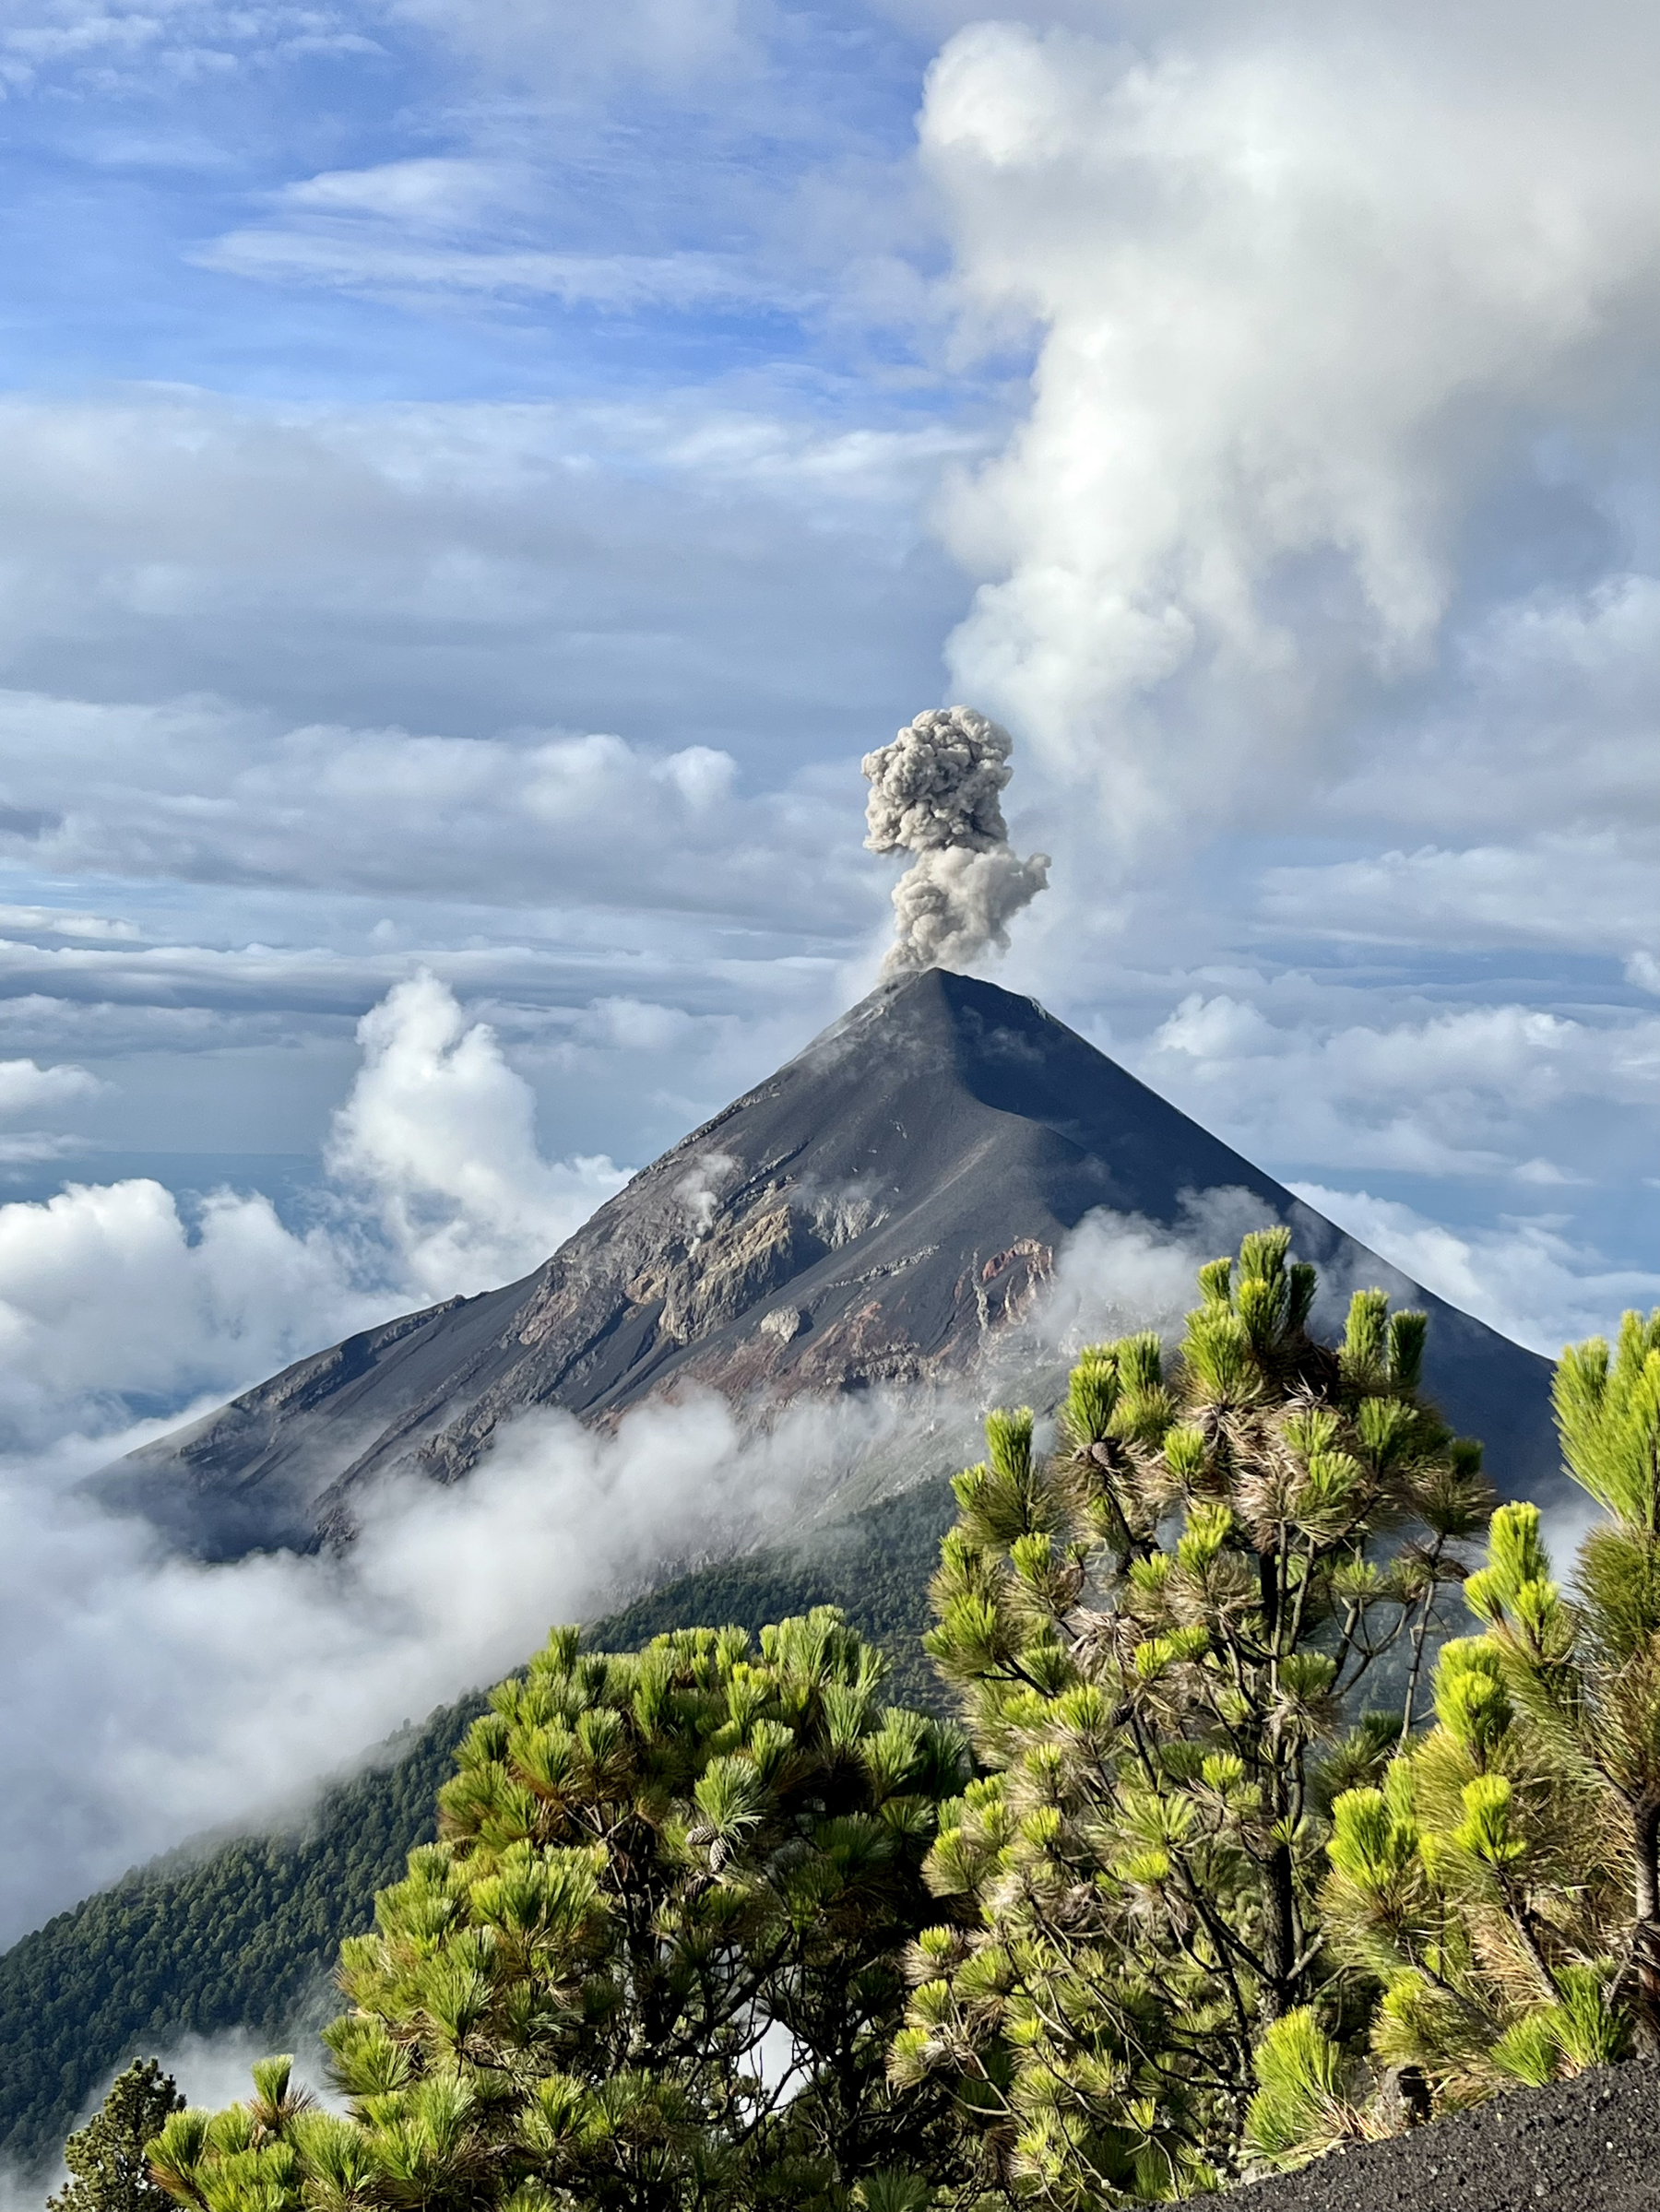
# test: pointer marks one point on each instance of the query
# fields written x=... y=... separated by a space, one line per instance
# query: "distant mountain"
x=884 y=1208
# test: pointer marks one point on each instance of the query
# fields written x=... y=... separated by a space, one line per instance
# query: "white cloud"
x=1446 y=1093
x=1526 y=1278
x=437 y=191
x=438 y=1134
x=27 y=1089
x=127 y=45
x=1304 y=296
x=198 y=790
x=1587 y=890
x=166 y=1698
x=106 y=1289
x=54 y=921
x=462 y=224
x=371 y=262
x=114 y=1293
x=682 y=568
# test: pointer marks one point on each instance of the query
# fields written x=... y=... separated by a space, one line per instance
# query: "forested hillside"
x=245 y=1934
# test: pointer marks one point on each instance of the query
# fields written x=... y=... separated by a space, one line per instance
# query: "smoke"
x=934 y=792
x=699 y=1188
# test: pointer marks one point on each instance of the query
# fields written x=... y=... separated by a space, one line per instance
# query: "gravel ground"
x=1586 y=2145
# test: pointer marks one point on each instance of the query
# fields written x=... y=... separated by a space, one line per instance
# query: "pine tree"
x=109 y=2166
x=1156 y=1634
x=1503 y=1882
x=653 y=1961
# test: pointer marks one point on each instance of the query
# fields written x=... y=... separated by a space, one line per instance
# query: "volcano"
x=882 y=1210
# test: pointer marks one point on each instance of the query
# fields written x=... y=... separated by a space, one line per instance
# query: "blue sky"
x=475 y=480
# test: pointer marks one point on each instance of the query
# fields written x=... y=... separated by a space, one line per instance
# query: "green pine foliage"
x=1158 y=1634
x=1482 y=1888
x=246 y=1933
x=1503 y=1884
x=711 y=1920
x=653 y=1962
x=109 y=2167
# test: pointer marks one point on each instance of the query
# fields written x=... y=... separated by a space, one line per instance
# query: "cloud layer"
x=166 y=1696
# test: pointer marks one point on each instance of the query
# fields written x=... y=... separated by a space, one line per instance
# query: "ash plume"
x=934 y=792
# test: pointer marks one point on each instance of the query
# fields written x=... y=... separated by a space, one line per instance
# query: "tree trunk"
x=1280 y=1932
x=1268 y=1574
x=1646 y=1939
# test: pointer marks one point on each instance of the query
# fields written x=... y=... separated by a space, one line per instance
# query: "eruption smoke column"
x=935 y=793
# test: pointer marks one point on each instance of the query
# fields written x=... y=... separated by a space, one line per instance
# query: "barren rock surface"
x=1586 y=2145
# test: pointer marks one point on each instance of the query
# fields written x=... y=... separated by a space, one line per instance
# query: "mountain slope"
x=879 y=1210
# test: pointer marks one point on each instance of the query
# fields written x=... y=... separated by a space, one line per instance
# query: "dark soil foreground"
x=1586 y=2145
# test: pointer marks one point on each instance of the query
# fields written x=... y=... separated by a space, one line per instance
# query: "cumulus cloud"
x=27 y=1089
x=1299 y=301
x=115 y=1297
x=935 y=792
x=439 y=1137
x=108 y=1294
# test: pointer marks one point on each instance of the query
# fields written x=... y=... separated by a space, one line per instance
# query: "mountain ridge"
x=881 y=1209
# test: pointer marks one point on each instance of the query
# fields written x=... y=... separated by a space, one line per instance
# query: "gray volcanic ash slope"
x=881 y=1209
x=1589 y=2144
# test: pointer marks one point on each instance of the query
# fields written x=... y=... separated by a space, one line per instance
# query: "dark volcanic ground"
x=1586 y=2145
x=881 y=1211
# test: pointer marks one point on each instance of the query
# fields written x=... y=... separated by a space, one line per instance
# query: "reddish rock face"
x=882 y=1209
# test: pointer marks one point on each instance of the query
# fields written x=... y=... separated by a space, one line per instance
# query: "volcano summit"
x=882 y=1209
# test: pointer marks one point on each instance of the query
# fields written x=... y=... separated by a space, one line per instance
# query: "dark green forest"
x=246 y=1933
